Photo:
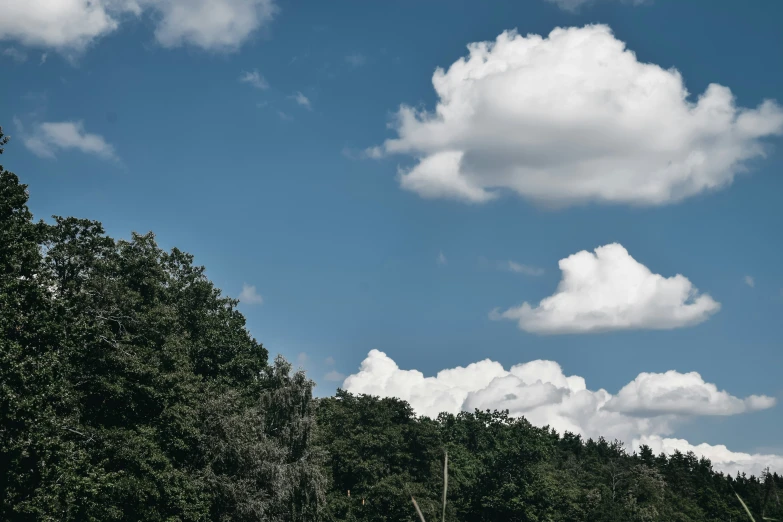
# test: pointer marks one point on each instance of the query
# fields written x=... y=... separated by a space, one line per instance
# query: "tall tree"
x=130 y=388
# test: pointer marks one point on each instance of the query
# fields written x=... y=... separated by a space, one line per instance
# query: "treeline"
x=130 y=390
x=505 y=469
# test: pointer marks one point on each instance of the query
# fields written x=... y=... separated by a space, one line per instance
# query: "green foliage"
x=131 y=390
x=504 y=469
x=3 y=140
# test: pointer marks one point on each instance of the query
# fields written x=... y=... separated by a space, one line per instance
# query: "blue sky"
x=258 y=142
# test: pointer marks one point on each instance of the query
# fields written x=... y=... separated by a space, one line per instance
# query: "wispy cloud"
x=254 y=79
x=357 y=154
x=249 y=295
x=373 y=152
x=334 y=376
x=442 y=259
x=46 y=139
x=750 y=281
x=15 y=54
x=356 y=59
x=574 y=5
x=284 y=116
x=301 y=99
x=523 y=269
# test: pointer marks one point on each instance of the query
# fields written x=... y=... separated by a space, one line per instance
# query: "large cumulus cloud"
x=574 y=117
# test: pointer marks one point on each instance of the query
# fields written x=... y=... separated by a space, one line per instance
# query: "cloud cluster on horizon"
x=71 y=25
x=645 y=411
x=571 y=118
x=609 y=290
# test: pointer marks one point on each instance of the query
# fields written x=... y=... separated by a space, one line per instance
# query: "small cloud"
x=750 y=281
x=15 y=54
x=334 y=376
x=44 y=56
x=442 y=259
x=302 y=100
x=357 y=154
x=524 y=269
x=302 y=359
x=608 y=290
x=47 y=138
x=329 y=361
x=284 y=116
x=356 y=59
x=573 y=6
x=374 y=152
x=254 y=79
x=249 y=295
x=262 y=104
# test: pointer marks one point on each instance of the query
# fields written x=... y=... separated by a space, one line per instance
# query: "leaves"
x=130 y=388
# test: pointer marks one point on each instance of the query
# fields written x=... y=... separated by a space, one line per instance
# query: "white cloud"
x=441 y=259
x=356 y=59
x=682 y=394
x=610 y=290
x=750 y=281
x=524 y=269
x=47 y=138
x=569 y=5
x=71 y=25
x=334 y=376
x=254 y=79
x=374 y=153
x=574 y=117
x=301 y=99
x=60 y=24
x=541 y=392
x=721 y=457
x=574 y=5
x=210 y=24
x=249 y=295
x=15 y=54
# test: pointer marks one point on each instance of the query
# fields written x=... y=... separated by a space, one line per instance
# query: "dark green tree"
x=130 y=388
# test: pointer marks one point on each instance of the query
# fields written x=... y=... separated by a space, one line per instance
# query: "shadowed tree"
x=130 y=388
